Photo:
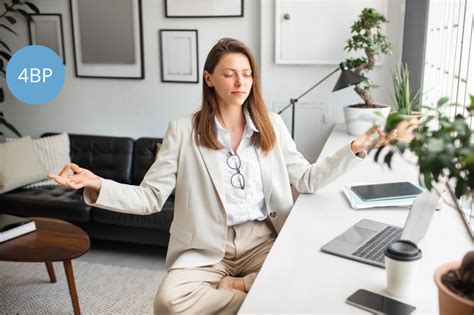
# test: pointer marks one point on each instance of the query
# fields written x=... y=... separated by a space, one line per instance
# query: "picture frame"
x=179 y=59
x=46 y=29
x=108 y=43
x=204 y=8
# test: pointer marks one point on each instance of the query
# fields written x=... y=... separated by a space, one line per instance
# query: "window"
x=449 y=54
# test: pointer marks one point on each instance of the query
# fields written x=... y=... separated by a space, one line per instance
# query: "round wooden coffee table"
x=53 y=240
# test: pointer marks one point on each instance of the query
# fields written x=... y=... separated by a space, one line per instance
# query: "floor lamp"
x=346 y=78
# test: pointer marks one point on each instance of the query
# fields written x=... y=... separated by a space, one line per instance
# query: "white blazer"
x=199 y=228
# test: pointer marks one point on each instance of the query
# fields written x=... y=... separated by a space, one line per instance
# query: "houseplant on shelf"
x=404 y=102
x=367 y=37
x=444 y=150
x=8 y=20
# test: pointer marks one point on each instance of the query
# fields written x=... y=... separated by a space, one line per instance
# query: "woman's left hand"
x=366 y=141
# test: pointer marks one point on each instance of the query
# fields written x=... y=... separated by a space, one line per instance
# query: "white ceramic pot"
x=359 y=120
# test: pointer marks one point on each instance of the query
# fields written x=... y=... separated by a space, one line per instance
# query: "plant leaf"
x=5 y=45
x=25 y=14
x=10 y=19
x=377 y=154
x=388 y=159
x=8 y=29
x=442 y=101
x=427 y=180
x=9 y=126
x=460 y=188
x=5 y=55
x=32 y=7
x=393 y=119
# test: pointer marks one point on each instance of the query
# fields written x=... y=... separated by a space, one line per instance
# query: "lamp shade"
x=347 y=78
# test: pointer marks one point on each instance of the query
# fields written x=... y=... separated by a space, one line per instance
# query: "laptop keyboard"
x=374 y=249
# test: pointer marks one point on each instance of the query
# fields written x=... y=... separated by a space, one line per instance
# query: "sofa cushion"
x=54 y=154
x=19 y=164
x=160 y=220
x=107 y=157
x=51 y=201
x=144 y=155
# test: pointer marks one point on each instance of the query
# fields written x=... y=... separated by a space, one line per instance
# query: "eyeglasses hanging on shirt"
x=237 y=180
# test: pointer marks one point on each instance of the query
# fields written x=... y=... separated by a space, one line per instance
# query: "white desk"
x=298 y=278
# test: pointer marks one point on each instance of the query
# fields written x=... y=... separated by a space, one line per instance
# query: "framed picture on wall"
x=179 y=56
x=108 y=43
x=47 y=30
x=204 y=8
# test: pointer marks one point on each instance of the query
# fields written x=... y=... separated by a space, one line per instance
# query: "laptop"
x=367 y=240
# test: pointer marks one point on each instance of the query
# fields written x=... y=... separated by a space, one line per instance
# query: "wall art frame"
x=46 y=29
x=108 y=44
x=179 y=58
x=204 y=8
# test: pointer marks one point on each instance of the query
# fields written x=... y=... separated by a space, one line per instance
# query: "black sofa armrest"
x=107 y=157
x=144 y=154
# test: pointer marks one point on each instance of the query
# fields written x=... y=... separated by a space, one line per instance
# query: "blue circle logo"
x=35 y=75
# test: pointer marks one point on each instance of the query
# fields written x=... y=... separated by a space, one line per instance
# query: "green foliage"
x=367 y=37
x=402 y=99
x=353 y=63
x=444 y=150
x=17 y=8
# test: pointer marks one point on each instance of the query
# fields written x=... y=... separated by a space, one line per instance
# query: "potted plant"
x=367 y=37
x=455 y=283
x=443 y=147
x=7 y=21
x=404 y=102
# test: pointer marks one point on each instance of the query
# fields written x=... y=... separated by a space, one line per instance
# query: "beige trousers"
x=194 y=290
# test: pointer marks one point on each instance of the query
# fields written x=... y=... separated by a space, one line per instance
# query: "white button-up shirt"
x=246 y=204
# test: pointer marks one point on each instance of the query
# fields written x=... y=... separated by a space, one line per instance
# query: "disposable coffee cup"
x=402 y=258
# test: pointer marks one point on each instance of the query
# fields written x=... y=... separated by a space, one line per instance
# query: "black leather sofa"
x=122 y=159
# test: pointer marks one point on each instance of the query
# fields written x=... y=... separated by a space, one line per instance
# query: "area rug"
x=102 y=289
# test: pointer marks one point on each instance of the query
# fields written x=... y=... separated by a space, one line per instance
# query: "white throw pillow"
x=19 y=164
x=53 y=152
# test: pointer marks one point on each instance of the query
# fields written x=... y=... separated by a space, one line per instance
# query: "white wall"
x=282 y=82
x=138 y=108
x=134 y=108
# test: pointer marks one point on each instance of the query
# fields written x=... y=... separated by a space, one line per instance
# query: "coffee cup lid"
x=403 y=250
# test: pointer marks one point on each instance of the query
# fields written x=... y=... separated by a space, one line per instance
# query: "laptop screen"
x=420 y=216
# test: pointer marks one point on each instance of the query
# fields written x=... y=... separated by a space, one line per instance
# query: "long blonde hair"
x=203 y=120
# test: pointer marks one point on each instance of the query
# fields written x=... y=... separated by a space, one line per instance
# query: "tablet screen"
x=385 y=191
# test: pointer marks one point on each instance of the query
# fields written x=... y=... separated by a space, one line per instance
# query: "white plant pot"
x=359 y=120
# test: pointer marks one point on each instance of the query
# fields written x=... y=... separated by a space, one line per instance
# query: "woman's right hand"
x=81 y=178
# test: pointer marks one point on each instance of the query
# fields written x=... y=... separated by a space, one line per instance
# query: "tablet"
x=396 y=190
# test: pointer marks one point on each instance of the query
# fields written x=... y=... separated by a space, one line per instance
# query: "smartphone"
x=378 y=304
